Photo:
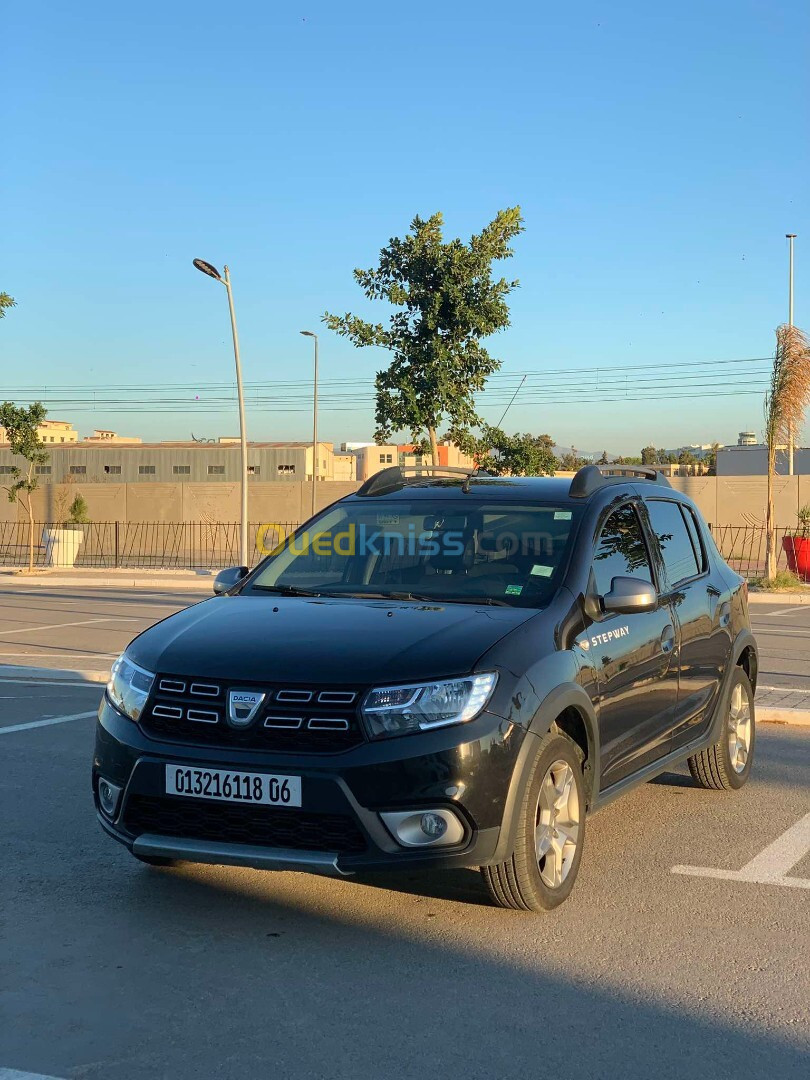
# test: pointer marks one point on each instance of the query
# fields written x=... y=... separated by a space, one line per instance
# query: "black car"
x=436 y=671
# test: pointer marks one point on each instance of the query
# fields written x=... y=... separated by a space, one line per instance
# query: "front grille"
x=292 y=719
x=236 y=824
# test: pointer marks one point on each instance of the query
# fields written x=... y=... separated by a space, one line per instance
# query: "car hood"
x=323 y=640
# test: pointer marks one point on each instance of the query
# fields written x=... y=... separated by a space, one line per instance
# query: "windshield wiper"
x=287 y=590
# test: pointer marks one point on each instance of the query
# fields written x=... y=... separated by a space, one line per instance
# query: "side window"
x=673 y=537
x=694 y=533
x=620 y=550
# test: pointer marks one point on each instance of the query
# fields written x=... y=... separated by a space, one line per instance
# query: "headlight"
x=129 y=686
x=399 y=710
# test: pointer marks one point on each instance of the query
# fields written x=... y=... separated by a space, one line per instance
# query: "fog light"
x=424 y=828
x=433 y=825
x=108 y=795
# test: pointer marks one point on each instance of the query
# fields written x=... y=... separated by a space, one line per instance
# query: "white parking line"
x=795 y=610
x=46 y=723
x=61 y=625
x=771 y=866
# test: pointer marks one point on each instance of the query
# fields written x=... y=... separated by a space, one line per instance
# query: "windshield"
x=426 y=549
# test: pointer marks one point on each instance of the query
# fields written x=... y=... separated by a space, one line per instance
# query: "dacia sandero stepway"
x=436 y=671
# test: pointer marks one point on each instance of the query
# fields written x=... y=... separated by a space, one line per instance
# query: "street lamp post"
x=309 y=333
x=790 y=238
x=211 y=271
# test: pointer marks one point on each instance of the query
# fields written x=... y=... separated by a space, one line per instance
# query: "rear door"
x=702 y=607
x=632 y=656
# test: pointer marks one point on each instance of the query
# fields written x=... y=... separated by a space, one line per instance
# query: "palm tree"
x=785 y=403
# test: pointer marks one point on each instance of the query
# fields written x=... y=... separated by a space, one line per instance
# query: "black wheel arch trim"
x=563 y=697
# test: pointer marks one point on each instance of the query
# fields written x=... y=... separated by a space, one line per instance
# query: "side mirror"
x=629 y=596
x=226 y=579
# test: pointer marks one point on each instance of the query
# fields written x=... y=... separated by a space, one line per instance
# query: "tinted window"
x=673 y=536
x=621 y=551
x=694 y=533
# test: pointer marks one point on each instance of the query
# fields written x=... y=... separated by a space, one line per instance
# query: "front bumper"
x=338 y=831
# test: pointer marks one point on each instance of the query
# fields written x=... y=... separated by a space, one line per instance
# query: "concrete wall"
x=725 y=500
x=281 y=501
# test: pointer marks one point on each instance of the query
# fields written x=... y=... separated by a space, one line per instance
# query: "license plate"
x=227 y=786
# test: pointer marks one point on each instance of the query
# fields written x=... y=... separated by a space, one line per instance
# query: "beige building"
x=51 y=432
x=372 y=459
x=104 y=435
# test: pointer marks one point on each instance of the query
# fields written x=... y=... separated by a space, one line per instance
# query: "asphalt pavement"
x=110 y=969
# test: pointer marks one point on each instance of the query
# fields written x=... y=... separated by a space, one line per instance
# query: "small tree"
x=603 y=460
x=447 y=302
x=77 y=514
x=22 y=432
x=512 y=455
x=6 y=301
x=649 y=455
x=785 y=403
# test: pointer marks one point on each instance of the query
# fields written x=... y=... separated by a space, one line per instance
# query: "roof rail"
x=592 y=477
x=380 y=483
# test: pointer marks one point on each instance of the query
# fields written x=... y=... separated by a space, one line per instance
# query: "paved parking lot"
x=112 y=969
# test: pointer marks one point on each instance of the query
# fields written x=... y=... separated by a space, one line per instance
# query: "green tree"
x=687 y=458
x=711 y=459
x=6 y=301
x=603 y=460
x=512 y=455
x=22 y=433
x=649 y=455
x=77 y=514
x=446 y=303
x=571 y=461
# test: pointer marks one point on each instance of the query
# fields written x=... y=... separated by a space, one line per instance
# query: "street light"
x=308 y=333
x=211 y=271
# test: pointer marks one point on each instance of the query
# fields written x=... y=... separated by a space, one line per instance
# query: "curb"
x=788 y=717
x=204 y=584
x=760 y=596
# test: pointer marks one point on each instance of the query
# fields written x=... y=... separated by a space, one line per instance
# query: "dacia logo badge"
x=243 y=706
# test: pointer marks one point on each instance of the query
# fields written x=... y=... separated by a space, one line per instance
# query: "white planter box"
x=62 y=544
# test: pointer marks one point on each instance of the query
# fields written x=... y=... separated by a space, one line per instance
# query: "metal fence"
x=156 y=545
x=200 y=545
x=743 y=548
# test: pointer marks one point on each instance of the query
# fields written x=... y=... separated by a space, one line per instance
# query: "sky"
x=659 y=154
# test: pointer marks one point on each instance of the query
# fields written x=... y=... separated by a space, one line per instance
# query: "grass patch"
x=783 y=581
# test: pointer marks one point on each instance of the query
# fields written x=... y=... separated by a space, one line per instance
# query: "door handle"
x=668 y=638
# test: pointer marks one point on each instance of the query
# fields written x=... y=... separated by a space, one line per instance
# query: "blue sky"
x=659 y=155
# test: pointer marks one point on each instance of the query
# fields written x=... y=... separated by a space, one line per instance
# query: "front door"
x=703 y=607
x=634 y=657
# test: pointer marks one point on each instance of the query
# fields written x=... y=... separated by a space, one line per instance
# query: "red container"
x=797 y=550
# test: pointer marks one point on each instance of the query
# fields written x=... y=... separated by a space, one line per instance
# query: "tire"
x=155 y=860
x=727 y=765
x=526 y=882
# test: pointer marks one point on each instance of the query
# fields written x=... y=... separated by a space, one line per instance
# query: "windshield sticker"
x=388 y=519
x=562 y=515
x=542 y=571
x=514 y=590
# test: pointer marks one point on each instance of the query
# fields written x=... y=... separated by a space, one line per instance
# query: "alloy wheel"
x=739 y=729
x=557 y=823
